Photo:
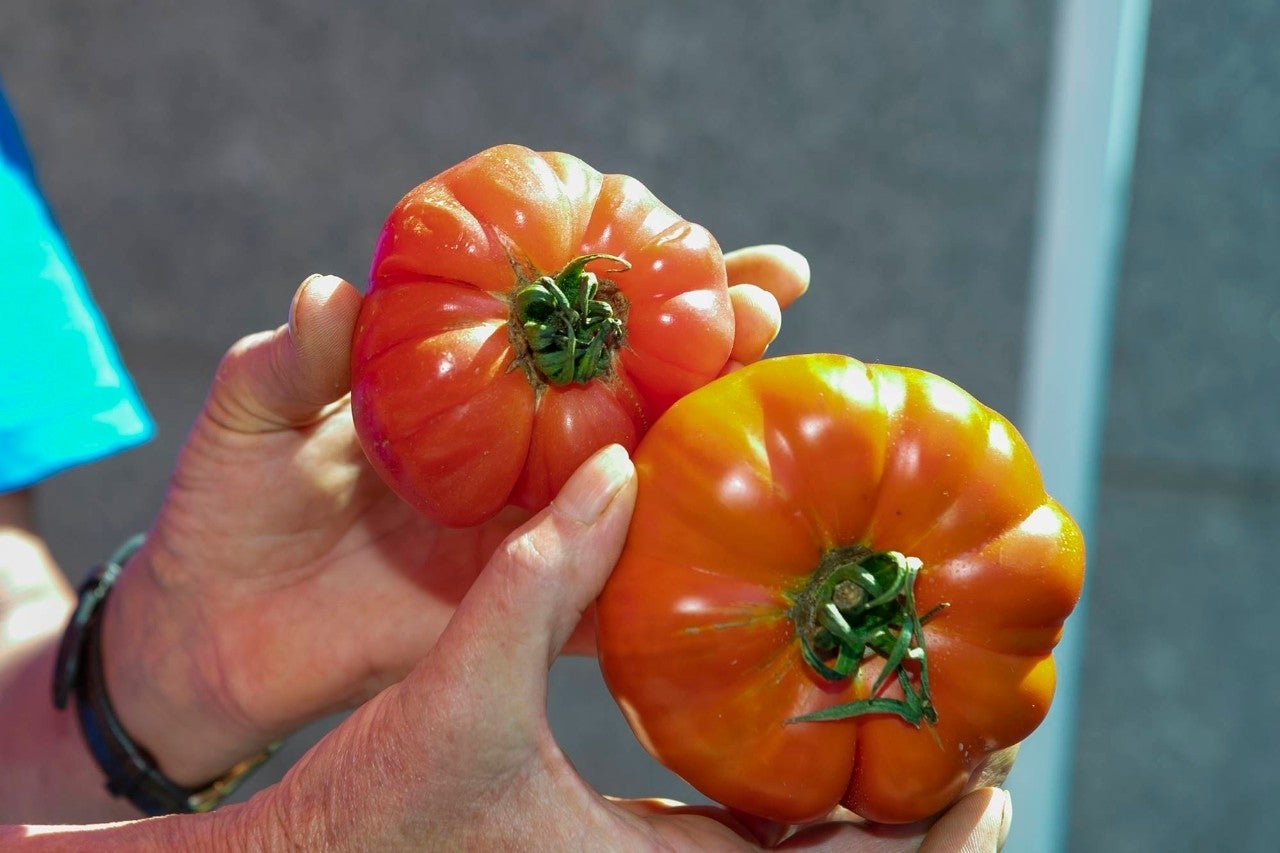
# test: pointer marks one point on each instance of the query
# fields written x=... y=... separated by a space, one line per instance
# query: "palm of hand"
x=314 y=572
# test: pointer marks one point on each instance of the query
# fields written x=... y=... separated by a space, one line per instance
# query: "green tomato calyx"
x=857 y=605
x=569 y=325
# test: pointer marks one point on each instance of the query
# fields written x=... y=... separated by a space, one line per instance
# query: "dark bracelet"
x=131 y=771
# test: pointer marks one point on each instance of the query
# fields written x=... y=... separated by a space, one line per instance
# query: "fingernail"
x=593 y=486
x=1006 y=818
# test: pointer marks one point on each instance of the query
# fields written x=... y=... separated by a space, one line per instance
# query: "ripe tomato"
x=523 y=311
x=842 y=585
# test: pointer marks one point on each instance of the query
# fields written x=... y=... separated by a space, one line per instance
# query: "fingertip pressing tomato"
x=523 y=311
x=842 y=586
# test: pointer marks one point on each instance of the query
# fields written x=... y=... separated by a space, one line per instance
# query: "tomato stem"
x=858 y=604
x=568 y=325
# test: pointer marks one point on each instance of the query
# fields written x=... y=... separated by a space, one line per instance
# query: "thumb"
x=530 y=596
x=286 y=377
x=444 y=744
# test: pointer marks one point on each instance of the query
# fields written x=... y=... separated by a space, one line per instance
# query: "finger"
x=286 y=378
x=994 y=769
x=582 y=641
x=526 y=602
x=757 y=319
x=669 y=811
x=646 y=805
x=979 y=823
x=782 y=272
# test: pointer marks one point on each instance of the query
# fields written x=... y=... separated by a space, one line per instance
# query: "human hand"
x=459 y=754
x=282 y=580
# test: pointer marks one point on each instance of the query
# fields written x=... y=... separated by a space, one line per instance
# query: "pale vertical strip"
x=1095 y=89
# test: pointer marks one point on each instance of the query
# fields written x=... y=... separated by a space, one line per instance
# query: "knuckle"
x=527 y=552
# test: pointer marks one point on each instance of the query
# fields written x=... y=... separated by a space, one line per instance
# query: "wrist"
x=158 y=683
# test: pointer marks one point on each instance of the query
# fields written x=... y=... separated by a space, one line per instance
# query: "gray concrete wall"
x=206 y=157
x=1181 y=685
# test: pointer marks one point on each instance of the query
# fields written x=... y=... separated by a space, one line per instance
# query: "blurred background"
x=204 y=158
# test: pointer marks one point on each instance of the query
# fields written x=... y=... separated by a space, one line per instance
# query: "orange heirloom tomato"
x=841 y=586
x=523 y=311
